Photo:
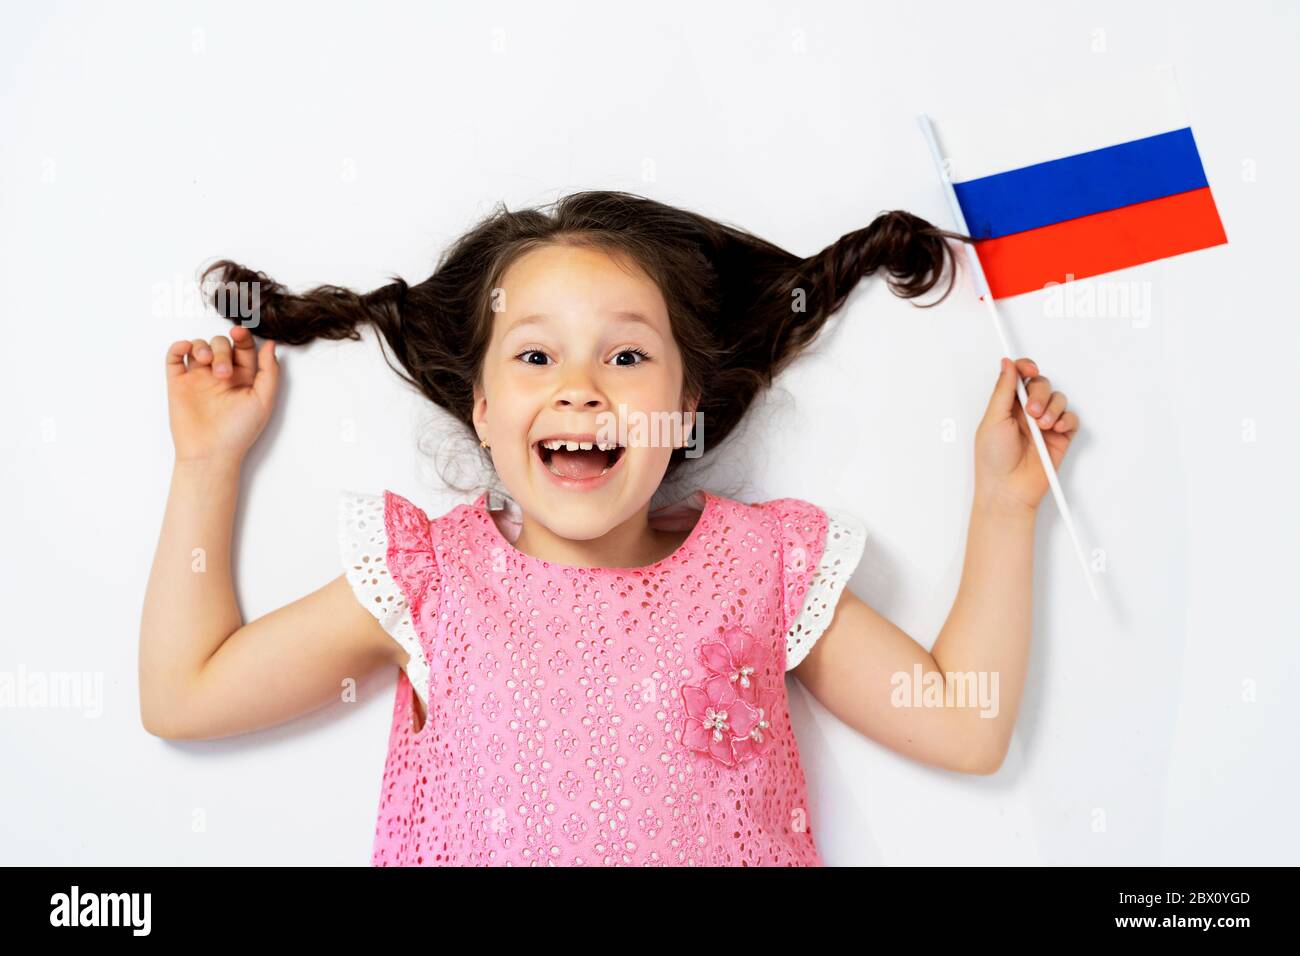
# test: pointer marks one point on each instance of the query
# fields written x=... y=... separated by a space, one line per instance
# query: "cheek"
x=515 y=398
x=659 y=391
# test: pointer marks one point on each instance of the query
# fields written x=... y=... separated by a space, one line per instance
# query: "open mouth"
x=578 y=459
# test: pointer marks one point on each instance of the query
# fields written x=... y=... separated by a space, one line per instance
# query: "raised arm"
x=863 y=668
x=203 y=672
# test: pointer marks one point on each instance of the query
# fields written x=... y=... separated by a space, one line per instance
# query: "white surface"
x=341 y=144
x=1019 y=124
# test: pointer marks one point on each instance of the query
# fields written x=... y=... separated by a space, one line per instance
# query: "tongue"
x=579 y=464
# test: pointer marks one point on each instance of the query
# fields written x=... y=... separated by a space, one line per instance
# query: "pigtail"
x=770 y=304
x=334 y=312
x=325 y=312
x=775 y=303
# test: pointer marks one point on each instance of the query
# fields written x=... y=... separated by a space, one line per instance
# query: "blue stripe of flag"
x=1080 y=185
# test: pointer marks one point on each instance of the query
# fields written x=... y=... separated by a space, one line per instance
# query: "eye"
x=633 y=351
x=532 y=352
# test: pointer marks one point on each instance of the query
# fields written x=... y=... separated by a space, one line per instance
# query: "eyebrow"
x=621 y=314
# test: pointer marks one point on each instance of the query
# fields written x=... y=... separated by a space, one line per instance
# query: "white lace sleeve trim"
x=363 y=548
x=846 y=537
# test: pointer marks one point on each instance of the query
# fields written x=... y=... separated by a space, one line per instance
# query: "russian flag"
x=1083 y=180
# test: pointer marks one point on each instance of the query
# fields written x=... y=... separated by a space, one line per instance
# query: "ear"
x=479 y=414
x=689 y=406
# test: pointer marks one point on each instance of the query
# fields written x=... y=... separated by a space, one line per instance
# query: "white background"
x=346 y=142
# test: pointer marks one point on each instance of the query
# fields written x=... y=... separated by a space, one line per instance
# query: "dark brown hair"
x=741 y=308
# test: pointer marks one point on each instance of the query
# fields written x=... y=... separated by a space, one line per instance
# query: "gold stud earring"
x=484 y=443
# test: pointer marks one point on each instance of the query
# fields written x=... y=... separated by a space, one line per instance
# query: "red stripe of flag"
x=1101 y=242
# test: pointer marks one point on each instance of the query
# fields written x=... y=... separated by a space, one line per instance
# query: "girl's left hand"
x=1006 y=462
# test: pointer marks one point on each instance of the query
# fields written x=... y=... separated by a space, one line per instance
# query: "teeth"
x=554 y=444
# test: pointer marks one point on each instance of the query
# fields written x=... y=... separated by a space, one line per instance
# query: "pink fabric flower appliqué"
x=727 y=711
x=737 y=657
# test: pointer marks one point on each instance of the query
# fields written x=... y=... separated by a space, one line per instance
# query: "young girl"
x=585 y=680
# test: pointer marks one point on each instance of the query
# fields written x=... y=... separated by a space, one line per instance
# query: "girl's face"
x=568 y=356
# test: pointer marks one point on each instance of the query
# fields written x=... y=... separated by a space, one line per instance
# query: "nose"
x=580 y=392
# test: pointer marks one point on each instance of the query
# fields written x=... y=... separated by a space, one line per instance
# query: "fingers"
x=176 y=357
x=1039 y=389
x=1045 y=406
x=216 y=353
x=1052 y=413
x=267 y=379
x=224 y=358
x=200 y=354
x=1067 y=424
x=222 y=362
x=245 y=352
x=1002 y=401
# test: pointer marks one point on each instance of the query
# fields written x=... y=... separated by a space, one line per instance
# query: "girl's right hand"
x=219 y=403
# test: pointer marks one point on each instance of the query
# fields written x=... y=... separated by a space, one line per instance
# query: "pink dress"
x=596 y=716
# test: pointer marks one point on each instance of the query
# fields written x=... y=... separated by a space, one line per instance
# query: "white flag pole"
x=982 y=286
